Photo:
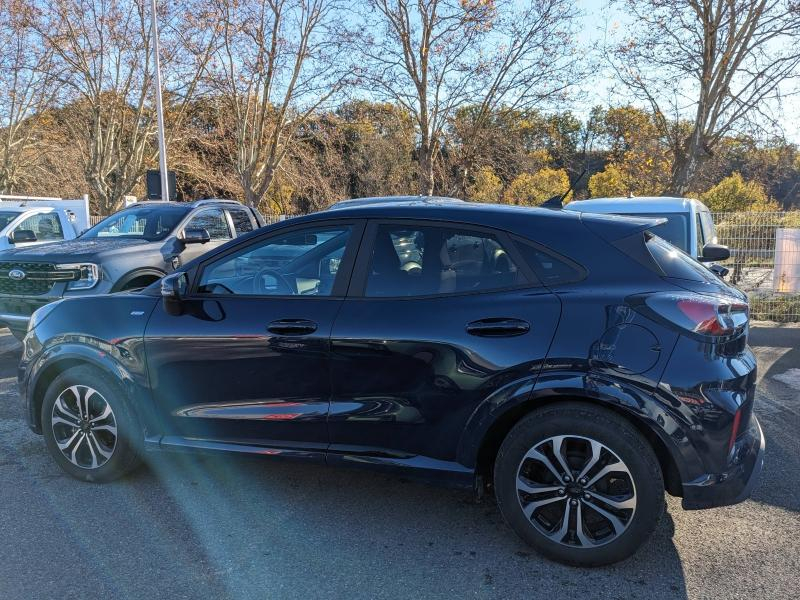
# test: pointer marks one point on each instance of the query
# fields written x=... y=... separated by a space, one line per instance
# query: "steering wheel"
x=284 y=288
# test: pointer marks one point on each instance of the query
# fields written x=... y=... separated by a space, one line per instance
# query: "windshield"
x=6 y=217
x=675 y=230
x=150 y=223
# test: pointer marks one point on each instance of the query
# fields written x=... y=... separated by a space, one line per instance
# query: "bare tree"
x=105 y=53
x=26 y=81
x=717 y=64
x=277 y=62
x=434 y=57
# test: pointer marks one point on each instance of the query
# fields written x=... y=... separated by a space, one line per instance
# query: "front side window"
x=699 y=234
x=709 y=231
x=213 y=221
x=150 y=223
x=424 y=261
x=303 y=262
x=45 y=226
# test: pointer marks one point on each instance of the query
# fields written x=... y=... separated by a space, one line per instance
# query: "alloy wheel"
x=84 y=427
x=576 y=491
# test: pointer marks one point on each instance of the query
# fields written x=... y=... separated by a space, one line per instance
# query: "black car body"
x=130 y=249
x=437 y=340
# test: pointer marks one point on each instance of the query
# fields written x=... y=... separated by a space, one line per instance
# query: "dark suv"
x=130 y=249
x=575 y=364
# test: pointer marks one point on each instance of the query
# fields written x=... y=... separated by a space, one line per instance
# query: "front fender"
x=123 y=361
x=640 y=400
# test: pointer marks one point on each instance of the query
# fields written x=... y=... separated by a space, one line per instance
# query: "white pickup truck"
x=28 y=221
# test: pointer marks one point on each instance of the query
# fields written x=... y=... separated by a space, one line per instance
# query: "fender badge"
x=137 y=313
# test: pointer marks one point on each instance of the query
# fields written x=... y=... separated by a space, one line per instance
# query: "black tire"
x=585 y=423
x=124 y=455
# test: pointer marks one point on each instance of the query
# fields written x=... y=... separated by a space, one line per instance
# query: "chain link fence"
x=765 y=260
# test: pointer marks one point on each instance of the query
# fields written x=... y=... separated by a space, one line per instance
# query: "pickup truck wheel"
x=580 y=484
x=88 y=427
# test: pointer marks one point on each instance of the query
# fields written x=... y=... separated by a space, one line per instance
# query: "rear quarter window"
x=550 y=268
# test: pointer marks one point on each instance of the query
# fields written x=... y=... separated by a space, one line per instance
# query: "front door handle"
x=292 y=327
x=498 y=327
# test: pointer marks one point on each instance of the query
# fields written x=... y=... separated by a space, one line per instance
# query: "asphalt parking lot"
x=187 y=527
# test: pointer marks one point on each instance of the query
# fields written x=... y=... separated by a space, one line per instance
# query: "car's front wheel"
x=88 y=427
x=579 y=483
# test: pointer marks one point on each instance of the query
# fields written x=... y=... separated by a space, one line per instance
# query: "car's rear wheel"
x=579 y=483
x=88 y=427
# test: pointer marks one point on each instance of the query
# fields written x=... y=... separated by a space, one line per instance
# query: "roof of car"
x=503 y=216
x=192 y=204
x=646 y=204
x=418 y=200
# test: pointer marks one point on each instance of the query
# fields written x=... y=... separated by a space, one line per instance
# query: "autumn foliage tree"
x=718 y=65
x=433 y=57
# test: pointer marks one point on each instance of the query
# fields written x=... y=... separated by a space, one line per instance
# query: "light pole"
x=162 y=144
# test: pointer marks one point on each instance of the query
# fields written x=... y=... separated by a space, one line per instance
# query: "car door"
x=216 y=223
x=439 y=318
x=246 y=363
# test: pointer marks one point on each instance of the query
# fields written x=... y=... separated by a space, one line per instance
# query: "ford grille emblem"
x=16 y=274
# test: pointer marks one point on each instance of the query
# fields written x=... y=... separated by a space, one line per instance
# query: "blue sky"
x=600 y=16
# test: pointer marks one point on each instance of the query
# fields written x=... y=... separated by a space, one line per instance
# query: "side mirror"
x=195 y=235
x=21 y=236
x=173 y=290
x=714 y=253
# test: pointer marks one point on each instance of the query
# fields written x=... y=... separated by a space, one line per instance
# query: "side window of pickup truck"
x=46 y=227
x=242 y=222
x=212 y=220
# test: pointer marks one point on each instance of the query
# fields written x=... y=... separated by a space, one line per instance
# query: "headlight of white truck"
x=89 y=275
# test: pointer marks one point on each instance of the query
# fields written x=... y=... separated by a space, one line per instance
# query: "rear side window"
x=675 y=263
x=550 y=269
x=242 y=223
x=426 y=261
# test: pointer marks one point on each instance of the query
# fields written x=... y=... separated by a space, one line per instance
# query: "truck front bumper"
x=16 y=311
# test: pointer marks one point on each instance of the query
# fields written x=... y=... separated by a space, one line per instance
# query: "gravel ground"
x=239 y=528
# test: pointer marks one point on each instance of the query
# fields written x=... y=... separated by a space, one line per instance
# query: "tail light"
x=706 y=316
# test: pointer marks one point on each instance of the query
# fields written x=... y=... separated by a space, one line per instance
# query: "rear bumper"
x=736 y=484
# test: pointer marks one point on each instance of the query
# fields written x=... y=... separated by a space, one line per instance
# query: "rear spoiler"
x=616 y=227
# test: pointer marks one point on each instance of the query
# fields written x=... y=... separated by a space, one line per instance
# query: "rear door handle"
x=498 y=327
x=292 y=327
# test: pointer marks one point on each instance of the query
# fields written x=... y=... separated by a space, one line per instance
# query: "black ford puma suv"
x=575 y=365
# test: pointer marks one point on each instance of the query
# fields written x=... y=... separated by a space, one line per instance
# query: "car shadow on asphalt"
x=778 y=409
x=366 y=527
